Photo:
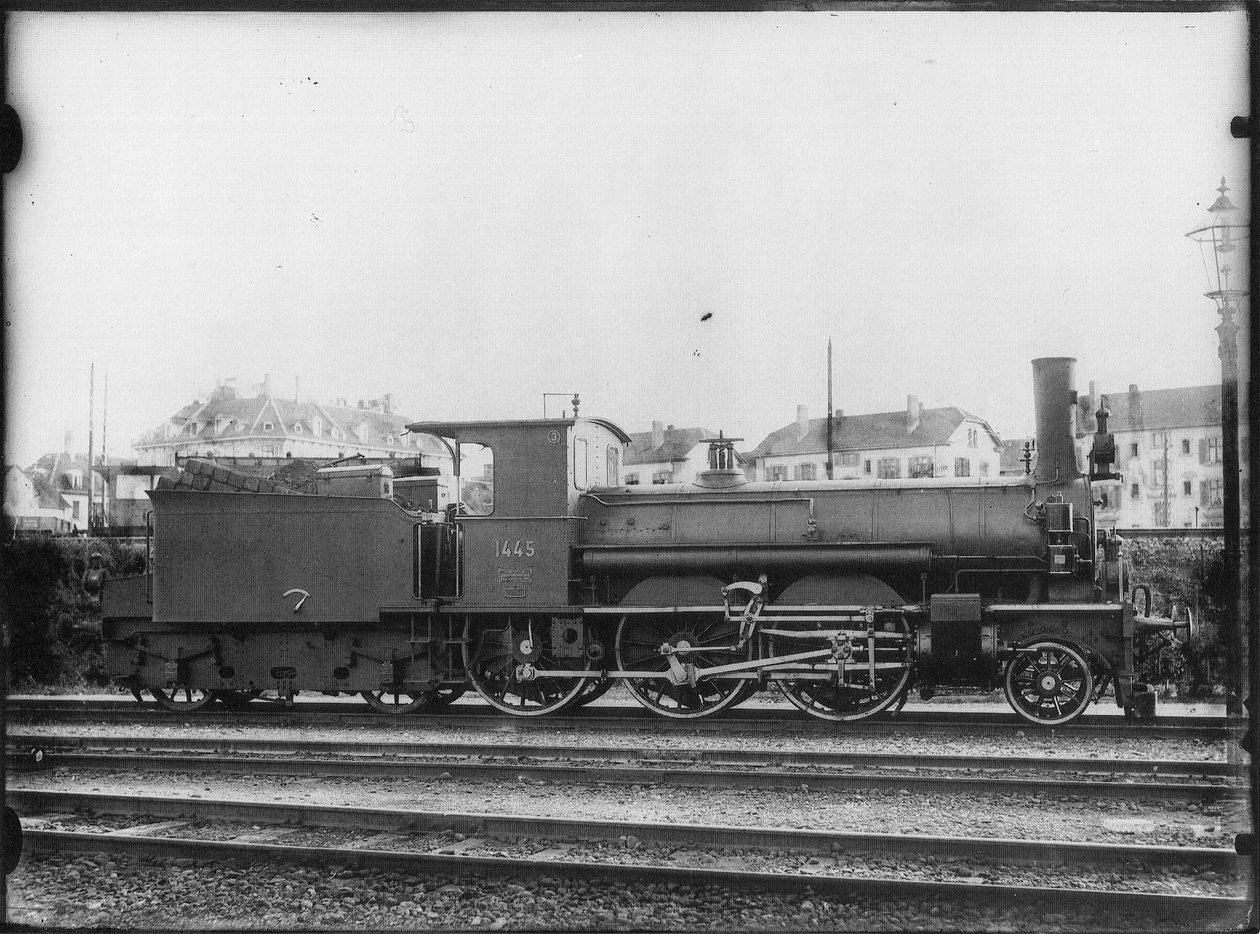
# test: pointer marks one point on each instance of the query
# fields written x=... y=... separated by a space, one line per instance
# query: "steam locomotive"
x=543 y=581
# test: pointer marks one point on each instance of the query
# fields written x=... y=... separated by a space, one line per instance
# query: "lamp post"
x=1222 y=243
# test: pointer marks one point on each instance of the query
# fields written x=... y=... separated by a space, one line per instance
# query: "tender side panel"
x=232 y=557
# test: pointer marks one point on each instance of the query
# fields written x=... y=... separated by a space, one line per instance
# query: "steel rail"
x=784 y=721
x=657 y=754
x=1205 y=909
x=365 y=768
x=510 y=826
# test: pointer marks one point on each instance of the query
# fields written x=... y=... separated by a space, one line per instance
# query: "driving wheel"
x=503 y=659
x=697 y=642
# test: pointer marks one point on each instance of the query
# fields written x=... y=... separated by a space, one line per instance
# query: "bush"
x=1191 y=571
x=43 y=606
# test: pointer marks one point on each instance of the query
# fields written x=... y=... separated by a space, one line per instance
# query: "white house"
x=918 y=442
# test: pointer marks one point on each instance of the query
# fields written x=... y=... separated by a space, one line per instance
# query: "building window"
x=1133 y=449
x=806 y=471
x=962 y=467
x=297 y=429
x=922 y=467
x=868 y=467
x=1185 y=445
x=1210 y=492
x=268 y=426
x=660 y=477
x=973 y=437
x=632 y=479
x=984 y=468
x=1210 y=451
x=1159 y=512
x=76 y=508
x=849 y=460
x=1186 y=488
x=1134 y=491
x=776 y=473
x=889 y=468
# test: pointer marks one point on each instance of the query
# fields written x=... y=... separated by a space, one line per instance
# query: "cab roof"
x=461 y=429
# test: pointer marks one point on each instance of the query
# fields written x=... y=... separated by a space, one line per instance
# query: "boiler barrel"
x=753 y=559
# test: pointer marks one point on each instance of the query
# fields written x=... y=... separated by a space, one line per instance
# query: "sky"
x=669 y=214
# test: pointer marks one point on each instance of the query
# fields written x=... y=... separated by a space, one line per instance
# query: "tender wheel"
x=181 y=698
x=501 y=661
x=236 y=699
x=1049 y=683
x=872 y=675
x=703 y=641
x=397 y=702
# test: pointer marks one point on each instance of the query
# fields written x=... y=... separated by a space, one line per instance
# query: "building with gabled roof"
x=266 y=425
x=1169 y=452
x=917 y=442
x=666 y=455
x=31 y=503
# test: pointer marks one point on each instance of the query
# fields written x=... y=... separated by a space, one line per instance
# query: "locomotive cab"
x=519 y=484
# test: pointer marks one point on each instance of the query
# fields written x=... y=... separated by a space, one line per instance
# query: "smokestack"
x=1054 y=379
x=802 y=422
x=914 y=410
x=389 y=403
x=297 y=389
x=266 y=389
x=658 y=434
x=69 y=442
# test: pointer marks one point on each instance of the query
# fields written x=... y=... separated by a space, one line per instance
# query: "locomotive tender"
x=841 y=594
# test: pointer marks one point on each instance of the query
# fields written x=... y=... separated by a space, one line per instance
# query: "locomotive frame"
x=843 y=595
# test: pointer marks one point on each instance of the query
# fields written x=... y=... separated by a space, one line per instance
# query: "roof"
x=870 y=432
x=225 y=417
x=1186 y=407
x=677 y=443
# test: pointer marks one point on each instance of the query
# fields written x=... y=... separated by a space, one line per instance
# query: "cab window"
x=612 y=467
x=581 y=469
x=476 y=479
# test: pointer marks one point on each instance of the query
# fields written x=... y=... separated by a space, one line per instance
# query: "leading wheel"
x=699 y=641
x=396 y=702
x=867 y=673
x=181 y=698
x=502 y=662
x=1049 y=683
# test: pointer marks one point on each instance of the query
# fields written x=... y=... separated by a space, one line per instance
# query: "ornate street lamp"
x=1223 y=245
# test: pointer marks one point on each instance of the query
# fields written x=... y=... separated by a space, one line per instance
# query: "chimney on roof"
x=297 y=389
x=69 y=441
x=802 y=422
x=1135 y=407
x=389 y=403
x=914 y=411
x=658 y=434
x=267 y=385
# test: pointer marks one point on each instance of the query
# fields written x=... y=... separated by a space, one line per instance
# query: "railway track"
x=655 y=755
x=826 y=864
x=528 y=768
x=768 y=719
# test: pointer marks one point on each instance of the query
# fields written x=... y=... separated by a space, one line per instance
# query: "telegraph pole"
x=91 y=440
x=830 y=417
